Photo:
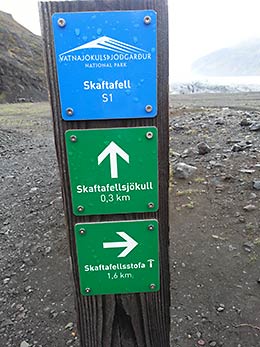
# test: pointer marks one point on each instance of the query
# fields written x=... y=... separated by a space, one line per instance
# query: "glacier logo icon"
x=108 y=44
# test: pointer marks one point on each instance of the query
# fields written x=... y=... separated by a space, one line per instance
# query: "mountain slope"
x=240 y=60
x=21 y=63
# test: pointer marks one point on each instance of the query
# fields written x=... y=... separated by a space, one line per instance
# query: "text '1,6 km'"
x=118 y=257
x=107 y=69
x=113 y=170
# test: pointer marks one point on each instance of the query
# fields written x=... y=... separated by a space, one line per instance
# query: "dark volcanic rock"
x=245 y=122
x=203 y=148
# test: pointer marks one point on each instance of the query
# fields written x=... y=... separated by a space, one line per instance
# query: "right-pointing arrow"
x=129 y=243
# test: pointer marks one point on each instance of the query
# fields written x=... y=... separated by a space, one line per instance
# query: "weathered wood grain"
x=140 y=320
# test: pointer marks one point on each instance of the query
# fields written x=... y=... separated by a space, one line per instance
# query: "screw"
x=152 y=286
x=150 y=227
x=82 y=231
x=80 y=208
x=147 y=20
x=88 y=290
x=73 y=138
x=151 y=205
x=149 y=135
x=148 y=108
x=69 y=111
x=61 y=22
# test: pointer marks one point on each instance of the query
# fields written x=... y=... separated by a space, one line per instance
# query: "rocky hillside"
x=240 y=60
x=21 y=63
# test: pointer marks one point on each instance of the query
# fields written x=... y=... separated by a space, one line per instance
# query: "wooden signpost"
x=107 y=71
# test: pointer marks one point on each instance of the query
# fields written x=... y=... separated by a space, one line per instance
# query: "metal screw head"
x=61 y=22
x=87 y=290
x=152 y=286
x=147 y=20
x=151 y=205
x=73 y=138
x=69 y=111
x=82 y=231
x=80 y=208
x=148 y=108
x=150 y=227
x=149 y=135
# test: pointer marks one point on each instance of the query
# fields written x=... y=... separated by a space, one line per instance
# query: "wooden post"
x=131 y=319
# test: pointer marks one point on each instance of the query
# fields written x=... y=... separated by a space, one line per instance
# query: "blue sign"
x=106 y=64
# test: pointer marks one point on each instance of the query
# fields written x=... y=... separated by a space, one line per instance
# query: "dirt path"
x=215 y=241
x=36 y=285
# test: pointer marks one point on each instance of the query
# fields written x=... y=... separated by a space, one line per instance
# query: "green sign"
x=113 y=170
x=118 y=257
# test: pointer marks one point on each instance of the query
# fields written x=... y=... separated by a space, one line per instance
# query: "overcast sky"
x=197 y=27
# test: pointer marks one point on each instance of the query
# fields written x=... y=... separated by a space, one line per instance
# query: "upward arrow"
x=113 y=150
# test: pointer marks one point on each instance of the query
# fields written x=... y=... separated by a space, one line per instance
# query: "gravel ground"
x=214 y=218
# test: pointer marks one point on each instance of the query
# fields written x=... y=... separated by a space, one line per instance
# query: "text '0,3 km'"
x=109 y=178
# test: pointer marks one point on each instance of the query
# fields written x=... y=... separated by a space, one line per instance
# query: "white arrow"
x=113 y=150
x=129 y=243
